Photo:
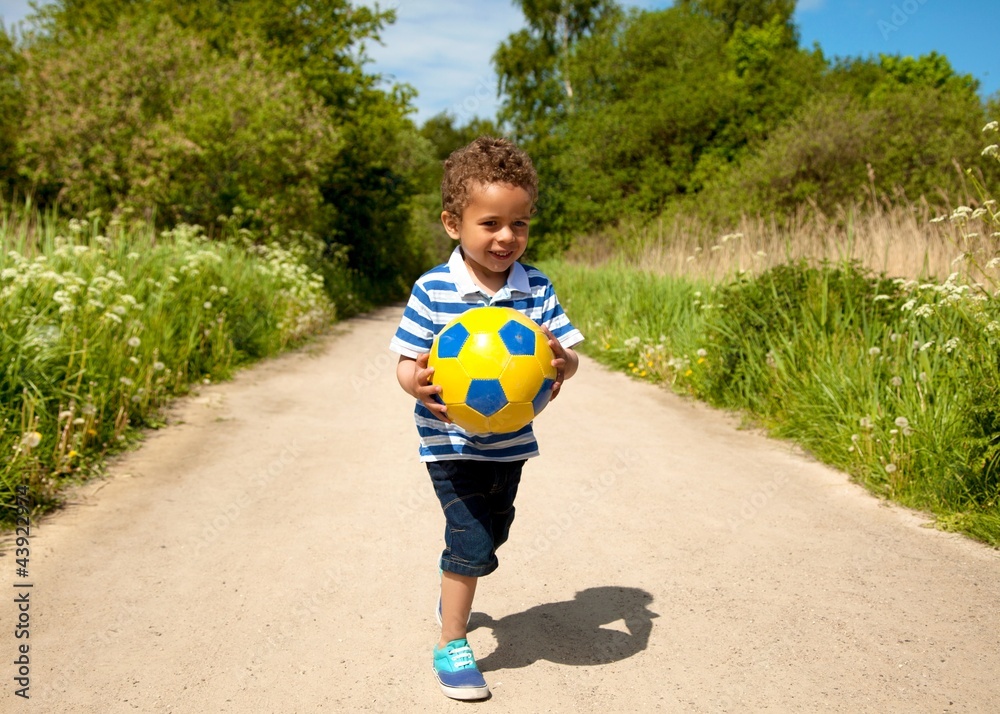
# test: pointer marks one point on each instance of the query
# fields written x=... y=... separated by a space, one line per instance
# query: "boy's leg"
x=457 y=593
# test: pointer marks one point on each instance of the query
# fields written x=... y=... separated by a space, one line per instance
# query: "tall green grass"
x=101 y=323
x=894 y=380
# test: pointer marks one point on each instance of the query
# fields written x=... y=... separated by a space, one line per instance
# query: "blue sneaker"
x=457 y=672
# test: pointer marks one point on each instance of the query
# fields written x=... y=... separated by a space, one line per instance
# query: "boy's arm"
x=414 y=377
x=566 y=362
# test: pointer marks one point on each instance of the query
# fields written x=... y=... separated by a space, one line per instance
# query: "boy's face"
x=493 y=230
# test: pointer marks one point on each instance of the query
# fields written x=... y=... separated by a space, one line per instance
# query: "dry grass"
x=897 y=240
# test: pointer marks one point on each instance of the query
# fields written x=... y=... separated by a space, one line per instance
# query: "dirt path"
x=276 y=551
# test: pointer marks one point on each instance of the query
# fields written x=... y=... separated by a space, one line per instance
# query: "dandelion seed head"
x=874 y=351
x=896 y=381
x=902 y=422
x=702 y=353
x=134 y=342
x=890 y=468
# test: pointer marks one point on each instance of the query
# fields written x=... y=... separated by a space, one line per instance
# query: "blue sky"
x=443 y=47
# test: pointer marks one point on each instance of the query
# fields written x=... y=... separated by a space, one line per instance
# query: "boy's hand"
x=566 y=362
x=415 y=378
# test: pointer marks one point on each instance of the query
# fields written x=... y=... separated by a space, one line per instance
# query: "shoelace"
x=462 y=658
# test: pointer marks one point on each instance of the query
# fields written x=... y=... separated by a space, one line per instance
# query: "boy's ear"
x=451 y=224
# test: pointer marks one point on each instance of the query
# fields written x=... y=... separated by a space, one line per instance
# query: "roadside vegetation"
x=885 y=364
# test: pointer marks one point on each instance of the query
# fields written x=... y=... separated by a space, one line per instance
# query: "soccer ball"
x=495 y=369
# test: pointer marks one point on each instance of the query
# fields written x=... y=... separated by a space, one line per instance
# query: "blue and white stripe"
x=440 y=295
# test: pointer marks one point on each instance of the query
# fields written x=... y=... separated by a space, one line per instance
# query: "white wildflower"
x=992 y=150
x=126 y=381
x=31 y=439
x=207 y=305
x=890 y=468
x=134 y=342
x=951 y=345
x=992 y=126
x=702 y=353
x=874 y=351
x=865 y=422
x=902 y=422
x=896 y=381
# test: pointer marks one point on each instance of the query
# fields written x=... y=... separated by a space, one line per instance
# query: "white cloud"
x=444 y=49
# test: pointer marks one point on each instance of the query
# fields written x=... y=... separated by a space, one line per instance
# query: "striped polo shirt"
x=443 y=293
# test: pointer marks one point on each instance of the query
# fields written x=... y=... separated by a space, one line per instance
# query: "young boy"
x=488 y=195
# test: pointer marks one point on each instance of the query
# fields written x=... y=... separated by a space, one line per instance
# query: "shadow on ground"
x=573 y=632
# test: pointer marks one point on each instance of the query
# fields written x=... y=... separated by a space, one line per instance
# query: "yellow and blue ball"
x=494 y=365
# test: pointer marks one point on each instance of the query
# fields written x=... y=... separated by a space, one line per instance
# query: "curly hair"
x=486 y=160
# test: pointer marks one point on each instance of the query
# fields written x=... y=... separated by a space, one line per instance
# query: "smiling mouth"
x=502 y=255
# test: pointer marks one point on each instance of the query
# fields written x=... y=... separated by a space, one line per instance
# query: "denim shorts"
x=478 y=502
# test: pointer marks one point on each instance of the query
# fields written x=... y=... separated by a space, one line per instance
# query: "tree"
x=11 y=110
x=144 y=115
x=742 y=14
x=533 y=65
x=369 y=184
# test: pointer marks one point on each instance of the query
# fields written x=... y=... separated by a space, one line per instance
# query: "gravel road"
x=274 y=550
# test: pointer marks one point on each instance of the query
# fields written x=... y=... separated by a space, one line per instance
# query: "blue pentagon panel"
x=451 y=341
x=519 y=338
x=486 y=396
x=542 y=398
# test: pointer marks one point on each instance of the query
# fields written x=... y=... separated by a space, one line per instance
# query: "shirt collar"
x=517 y=279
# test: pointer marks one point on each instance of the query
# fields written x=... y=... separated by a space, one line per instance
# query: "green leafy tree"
x=369 y=185
x=668 y=102
x=11 y=110
x=742 y=14
x=145 y=115
x=896 y=125
x=534 y=65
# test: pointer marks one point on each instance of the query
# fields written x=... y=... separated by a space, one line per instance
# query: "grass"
x=895 y=380
x=900 y=239
x=102 y=323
